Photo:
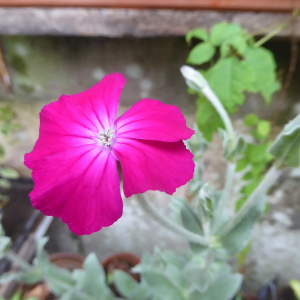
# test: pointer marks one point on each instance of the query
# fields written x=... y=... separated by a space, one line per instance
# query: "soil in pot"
x=120 y=261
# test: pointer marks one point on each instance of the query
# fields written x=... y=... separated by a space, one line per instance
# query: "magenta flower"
x=74 y=161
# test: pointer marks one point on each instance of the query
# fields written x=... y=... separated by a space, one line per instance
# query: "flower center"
x=106 y=137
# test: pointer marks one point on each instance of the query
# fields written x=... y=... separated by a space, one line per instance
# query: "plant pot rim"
x=126 y=256
x=67 y=259
x=66 y=255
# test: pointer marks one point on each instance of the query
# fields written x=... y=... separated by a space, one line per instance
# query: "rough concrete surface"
x=129 y=22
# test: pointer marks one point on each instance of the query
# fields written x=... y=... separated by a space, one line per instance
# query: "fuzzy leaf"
x=163 y=288
x=238 y=238
x=196 y=272
x=189 y=219
x=201 y=53
x=59 y=280
x=94 y=283
x=10 y=276
x=286 y=147
x=33 y=276
x=223 y=289
x=197 y=144
x=232 y=151
x=196 y=182
x=124 y=283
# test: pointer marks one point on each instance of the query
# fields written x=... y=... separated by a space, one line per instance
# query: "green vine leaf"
x=237 y=42
x=286 y=147
x=229 y=79
x=208 y=120
x=201 y=53
x=222 y=31
x=264 y=128
x=198 y=33
x=251 y=119
x=263 y=66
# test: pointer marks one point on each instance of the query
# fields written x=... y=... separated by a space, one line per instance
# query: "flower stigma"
x=106 y=137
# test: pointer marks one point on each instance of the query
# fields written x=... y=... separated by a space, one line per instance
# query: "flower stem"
x=18 y=261
x=278 y=29
x=269 y=179
x=190 y=236
x=271 y=34
x=197 y=82
x=214 y=100
x=225 y=195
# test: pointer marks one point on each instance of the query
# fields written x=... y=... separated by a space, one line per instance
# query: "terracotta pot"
x=129 y=258
x=121 y=261
x=70 y=261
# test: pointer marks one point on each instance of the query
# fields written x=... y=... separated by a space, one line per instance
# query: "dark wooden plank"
x=262 y=5
x=128 y=22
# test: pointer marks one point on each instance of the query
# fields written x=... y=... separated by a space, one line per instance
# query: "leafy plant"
x=237 y=64
x=89 y=283
x=7 y=126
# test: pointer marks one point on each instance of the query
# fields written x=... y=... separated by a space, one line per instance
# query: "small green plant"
x=236 y=64
x=86 y=284
x=7 y=126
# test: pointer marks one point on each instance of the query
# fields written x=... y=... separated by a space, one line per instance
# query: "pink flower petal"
x=153 y=165
x=63 y=126
x=152 y=120
x=79 y=185
x=100 y=102
x=74 y=119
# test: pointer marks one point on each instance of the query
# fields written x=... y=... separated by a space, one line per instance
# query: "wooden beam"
x=129 y=22
x=249 y=5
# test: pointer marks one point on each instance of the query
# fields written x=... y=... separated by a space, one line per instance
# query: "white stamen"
x=106 y=137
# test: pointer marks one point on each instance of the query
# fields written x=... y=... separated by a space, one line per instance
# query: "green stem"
x=269 y=179
x=214 y=100
x=225 y=195
x=271 y=34
x=279 y=28
x=18 y=261
x=196 y=81
x=190 y=236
